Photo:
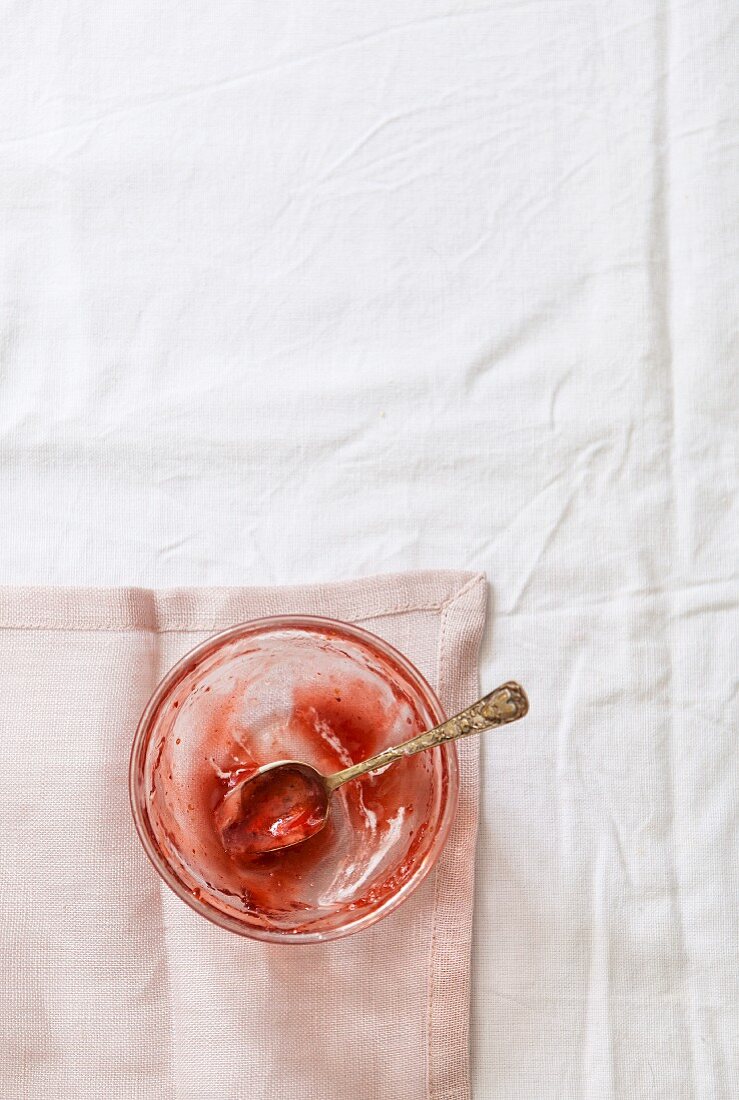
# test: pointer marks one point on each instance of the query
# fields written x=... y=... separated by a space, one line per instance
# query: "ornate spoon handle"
x=506 y=704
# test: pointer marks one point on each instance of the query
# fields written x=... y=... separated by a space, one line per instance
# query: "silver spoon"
x=288 y=801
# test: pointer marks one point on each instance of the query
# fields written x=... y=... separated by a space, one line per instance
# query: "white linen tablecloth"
x=301 y=291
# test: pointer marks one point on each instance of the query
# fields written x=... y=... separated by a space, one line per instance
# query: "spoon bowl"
x=280 y=805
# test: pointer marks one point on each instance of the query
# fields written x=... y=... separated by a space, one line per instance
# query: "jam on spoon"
x=288 y=801
x=281 y=805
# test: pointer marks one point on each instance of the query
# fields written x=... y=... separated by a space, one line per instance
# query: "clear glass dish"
x=292 y=687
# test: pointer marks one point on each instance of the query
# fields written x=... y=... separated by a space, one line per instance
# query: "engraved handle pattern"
x=506 y=704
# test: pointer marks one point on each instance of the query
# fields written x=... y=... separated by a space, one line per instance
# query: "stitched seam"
x=441 y=686
x=132 y=628
x=432 y=947
x=431 y=969
x=176 y=629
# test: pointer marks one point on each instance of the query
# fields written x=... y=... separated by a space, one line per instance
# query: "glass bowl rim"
x=189 y=661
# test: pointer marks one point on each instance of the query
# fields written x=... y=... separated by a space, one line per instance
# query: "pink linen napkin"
x=112 y=987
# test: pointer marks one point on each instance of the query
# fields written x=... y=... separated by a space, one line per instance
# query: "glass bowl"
x=292 y=687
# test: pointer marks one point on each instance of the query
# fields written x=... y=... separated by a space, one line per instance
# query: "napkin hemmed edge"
x=198 y=610
x=449 y=996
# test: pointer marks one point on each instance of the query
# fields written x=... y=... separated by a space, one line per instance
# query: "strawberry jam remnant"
x=281 y=807
x=263 y=851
